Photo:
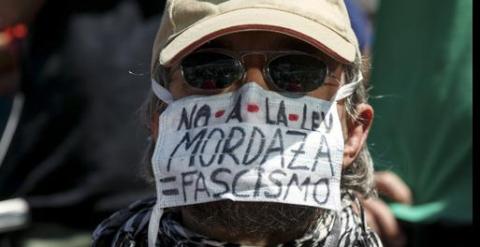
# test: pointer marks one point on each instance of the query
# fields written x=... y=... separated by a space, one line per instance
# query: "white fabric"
x=161 y=92
x=220 y=147
x=194 y=162
x=348 y=89
x=154 y=224
x=248 y=145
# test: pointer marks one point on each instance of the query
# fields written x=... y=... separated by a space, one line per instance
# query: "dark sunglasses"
x=216 y=69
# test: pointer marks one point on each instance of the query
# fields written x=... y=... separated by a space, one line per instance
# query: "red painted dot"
x=253 y=108
x=219 y=113
x=293 y=117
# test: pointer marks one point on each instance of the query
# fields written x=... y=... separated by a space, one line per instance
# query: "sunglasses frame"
x=268 y=55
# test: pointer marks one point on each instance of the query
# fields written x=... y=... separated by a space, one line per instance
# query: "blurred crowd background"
x=73 y=75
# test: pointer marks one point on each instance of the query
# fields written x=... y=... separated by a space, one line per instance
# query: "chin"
x=252 y=220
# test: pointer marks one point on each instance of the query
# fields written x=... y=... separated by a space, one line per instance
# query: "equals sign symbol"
x=169 y=192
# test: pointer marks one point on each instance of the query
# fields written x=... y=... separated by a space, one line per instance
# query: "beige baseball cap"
x=187 y=24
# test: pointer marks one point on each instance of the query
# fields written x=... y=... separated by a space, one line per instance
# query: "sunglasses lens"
x=211 y=70
x=297 y=72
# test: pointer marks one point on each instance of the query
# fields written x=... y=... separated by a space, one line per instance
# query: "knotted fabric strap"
x=154 y=224
x=161 y=92
x=348 y=89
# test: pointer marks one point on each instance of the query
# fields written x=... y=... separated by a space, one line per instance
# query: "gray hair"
x=357 y=177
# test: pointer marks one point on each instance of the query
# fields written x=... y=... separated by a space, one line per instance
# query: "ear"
x=357 y=132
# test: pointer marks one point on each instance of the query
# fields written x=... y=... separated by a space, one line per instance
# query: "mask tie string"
x=348 y=89
x=161 y=92
x=154 y=224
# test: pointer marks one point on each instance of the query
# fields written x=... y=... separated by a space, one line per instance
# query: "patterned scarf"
x=129 y=228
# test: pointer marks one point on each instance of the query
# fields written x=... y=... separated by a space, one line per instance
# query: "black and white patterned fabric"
x=129 y=228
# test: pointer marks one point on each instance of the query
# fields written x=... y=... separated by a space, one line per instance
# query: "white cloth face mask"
x=248 y=145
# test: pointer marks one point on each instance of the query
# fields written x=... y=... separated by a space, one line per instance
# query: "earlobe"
x=357 y=132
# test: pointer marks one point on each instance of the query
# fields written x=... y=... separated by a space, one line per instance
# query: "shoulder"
x=127 y=226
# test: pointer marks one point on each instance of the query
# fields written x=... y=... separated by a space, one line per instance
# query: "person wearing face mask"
x=258 y=119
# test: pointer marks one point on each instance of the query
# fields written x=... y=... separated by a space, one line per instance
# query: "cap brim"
x=312 y=32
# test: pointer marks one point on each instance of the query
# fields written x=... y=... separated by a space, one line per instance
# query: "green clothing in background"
x=422 y=96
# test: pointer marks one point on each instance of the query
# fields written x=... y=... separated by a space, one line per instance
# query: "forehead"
x=262 y=40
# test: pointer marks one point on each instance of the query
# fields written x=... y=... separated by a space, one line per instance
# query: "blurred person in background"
x=422 y=135
x=361 y=17
x=70 y=83
x=14 y=17
x=362 y=25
